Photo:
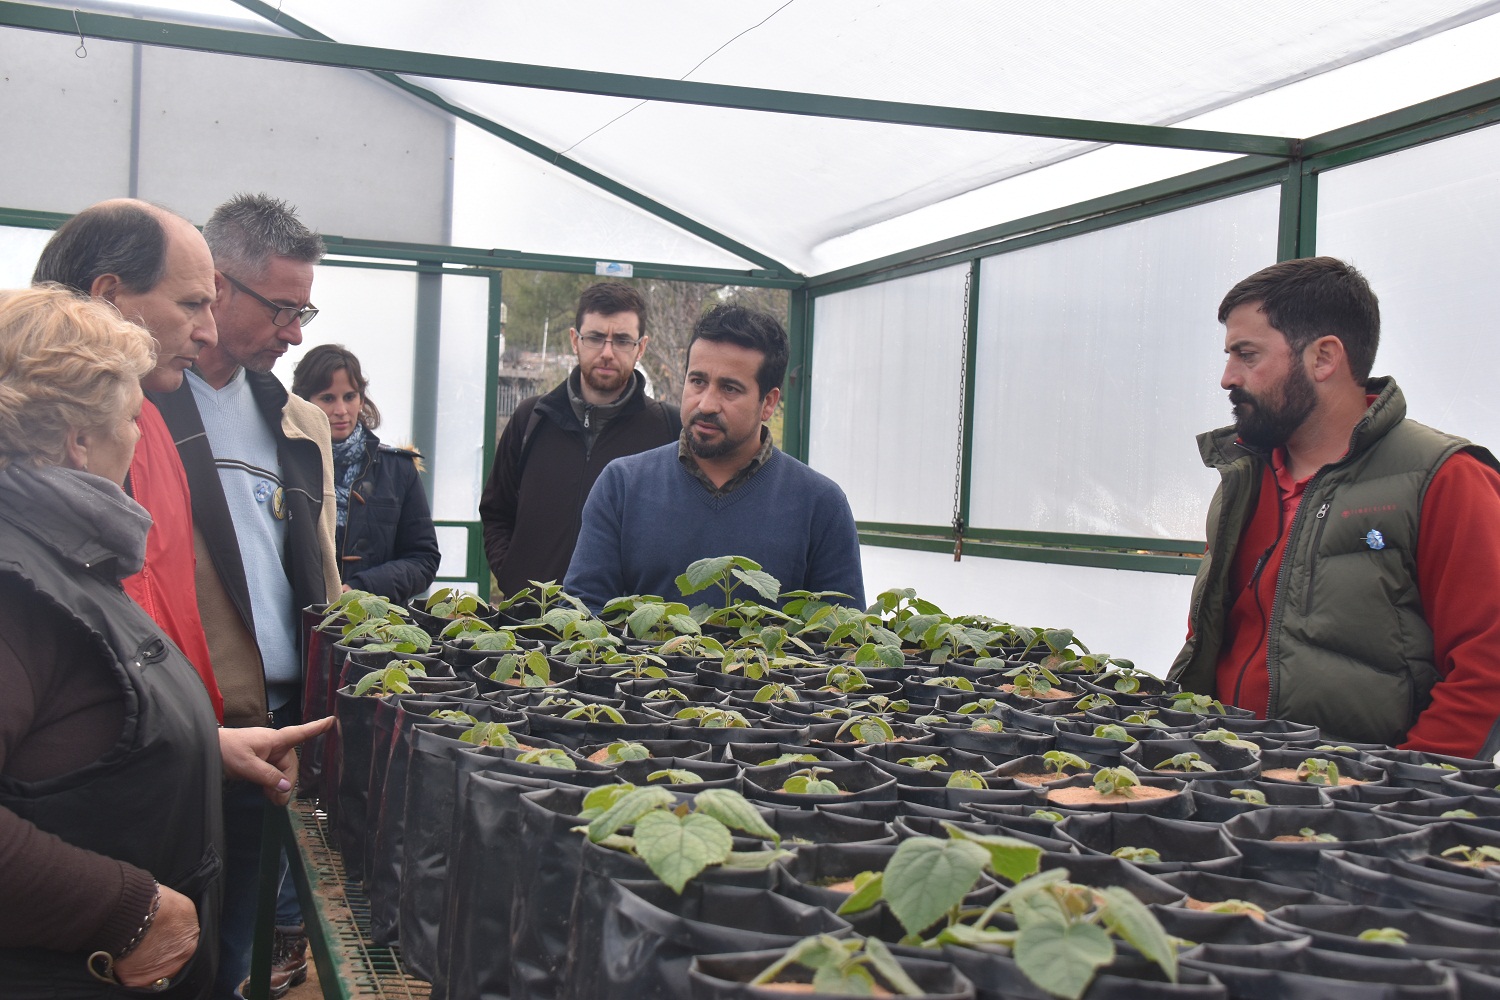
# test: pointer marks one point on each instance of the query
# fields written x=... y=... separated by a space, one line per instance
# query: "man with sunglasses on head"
x=555 y=445
x=260 y=469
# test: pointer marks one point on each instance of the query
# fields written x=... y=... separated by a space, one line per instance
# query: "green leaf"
x=890 y=970
x=629 y=808
x=679 y=847
x=755 y=860
x=702 y=573
x=1010 y=858
x=1129 y=918
x=734 y=811
x=644 y=618
x=868 y=887
x=763 y=583
x=1384 y=935
x=548 y=758
x=675 y=776
x=1062 y=958
x=600 y=799
x=927 y=877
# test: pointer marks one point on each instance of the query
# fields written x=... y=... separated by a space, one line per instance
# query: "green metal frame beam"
x=507 y=74
x=553 y=158
x=1460 y=111
x=1048 y=539
x=1150 y=563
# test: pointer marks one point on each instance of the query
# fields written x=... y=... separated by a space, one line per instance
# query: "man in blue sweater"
x=722 y=489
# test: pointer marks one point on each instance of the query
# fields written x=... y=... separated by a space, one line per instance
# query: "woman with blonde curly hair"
x=110 y=756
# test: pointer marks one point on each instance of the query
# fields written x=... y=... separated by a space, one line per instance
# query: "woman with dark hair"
x=386 y=542
x=111 y=760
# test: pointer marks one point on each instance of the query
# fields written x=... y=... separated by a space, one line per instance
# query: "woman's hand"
x=266 y=757
x=167 y=946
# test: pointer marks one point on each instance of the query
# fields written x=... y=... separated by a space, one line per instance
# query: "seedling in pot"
x=548 y=757
x=529 y=669
x=596 y=713
x=1049 y=815
x=454 y=716
x=1384 y=935
x=713 y=718
x=1186 y=762
x=1113 y=732
x=1225 y=736
x=1231 y=906
x=881 y=704
x=845 y=679
x=677 y=841
x=489 y=734
x=869 y=729
x=980 y=706
x=587 y=640
x=1139 y=855
x=1474 y=857
x=395 y=678
x=753 y=663
x=728 y=573
x=1254 y=796
x=1308 y=833
x=1459 y=814
x=1061 y=762
x=929 y=762
x=1059 y=642
x=356 y=606
x=620 y=752
x=955 y=683
x=1442 y=766
x=987 y=724
x=852 y=966
x=675 y=776
x=650 y=618
x=448 y=602
x=1144 y=717
x=1032 y=681
x=947 y=639
x=389 y=635
x=666 y=694
x=870 y=655
x=481 y=635
x=777 y=693
x=1331 y=748
x=1198 y=704
x=705 y=646
x=1318 y=771
x=1116 y=781
x=1092 y=701
x=967 y=779
x=790 y=758
x=809 y=781
x=636 y=666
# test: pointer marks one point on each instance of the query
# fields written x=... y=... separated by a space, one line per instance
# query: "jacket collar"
x=86 y=519
x=557 y=404
x=1223 y=447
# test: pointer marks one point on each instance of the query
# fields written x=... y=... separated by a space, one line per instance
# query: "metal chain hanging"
x=963 y=389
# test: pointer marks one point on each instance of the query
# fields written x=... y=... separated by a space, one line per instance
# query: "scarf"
x=86 y=518
x=346 y=465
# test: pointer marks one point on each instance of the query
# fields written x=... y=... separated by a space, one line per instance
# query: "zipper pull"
x=588 y=411
x=1323 y=510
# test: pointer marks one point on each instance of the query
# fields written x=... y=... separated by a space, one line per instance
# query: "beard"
x=715 y=449
x=1263 y=424
x=606 y=382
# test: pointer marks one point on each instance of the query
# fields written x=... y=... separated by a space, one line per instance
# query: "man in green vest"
x=1352 y=578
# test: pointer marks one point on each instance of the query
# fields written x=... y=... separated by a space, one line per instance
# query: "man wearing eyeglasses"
x=260 y=469
x=555 y=445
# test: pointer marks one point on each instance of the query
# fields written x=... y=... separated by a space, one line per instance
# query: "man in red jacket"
x=157 y=270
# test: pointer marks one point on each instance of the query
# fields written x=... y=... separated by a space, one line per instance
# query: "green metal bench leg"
x=265 y=908
x=332 y=983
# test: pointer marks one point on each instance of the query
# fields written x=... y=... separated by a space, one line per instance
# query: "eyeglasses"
x=596 y=341
x=280 y=315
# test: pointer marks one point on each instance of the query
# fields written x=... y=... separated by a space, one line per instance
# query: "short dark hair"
x=608 y=298
x=315 y=372
x=1315 y=297
x=119 y=238
x=248 y=230
x=752 y=329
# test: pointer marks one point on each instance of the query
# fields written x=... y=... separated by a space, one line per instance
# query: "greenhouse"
x=998 y=237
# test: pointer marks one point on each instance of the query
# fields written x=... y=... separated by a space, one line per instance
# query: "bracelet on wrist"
x=150 y=918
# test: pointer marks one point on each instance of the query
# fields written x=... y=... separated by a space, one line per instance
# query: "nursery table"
x=335 y=911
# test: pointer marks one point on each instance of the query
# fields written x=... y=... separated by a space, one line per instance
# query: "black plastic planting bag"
x=1208 y=887
x=547 y=865
x=1227 y=763
x=318 y=684
x=1012 y=742
x=756 y=754
x=711 y=775
x=549 y=723
x=1207 y=927
x=820 y=826
x=1101 y=872
x=1292 y=970
x=1375 y=881
x=1428 y=936
x=1034 y=831
x=858 y=781
x=1214 y=800
x=1295 y=863
x=996 y=976
x=648 y=936
x=955 y=799
x=475 y=943
x=355 y=746
x=1181 y=845
x=727 y=977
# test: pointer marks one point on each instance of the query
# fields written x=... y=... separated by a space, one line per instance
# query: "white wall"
x=1139 y=616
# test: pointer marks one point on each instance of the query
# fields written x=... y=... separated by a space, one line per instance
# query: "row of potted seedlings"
x=806 y=798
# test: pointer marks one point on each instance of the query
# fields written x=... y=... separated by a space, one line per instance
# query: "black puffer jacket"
x=388 y=545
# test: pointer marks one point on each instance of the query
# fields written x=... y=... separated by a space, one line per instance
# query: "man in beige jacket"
x=260 y=470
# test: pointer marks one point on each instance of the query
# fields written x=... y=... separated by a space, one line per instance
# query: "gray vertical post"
x=426 y=350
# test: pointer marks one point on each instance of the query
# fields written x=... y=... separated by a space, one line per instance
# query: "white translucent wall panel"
x=1140 y=616
x=458 y=469
x=885 y=395
x=356 y=156
x=454 y=543
x=19 y=249
x=372 y=313
x=1098 y=363
x=66 y=120
x=1422 y=225
x=503 y=197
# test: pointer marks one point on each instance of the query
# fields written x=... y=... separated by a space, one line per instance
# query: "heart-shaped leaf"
x=679 y=847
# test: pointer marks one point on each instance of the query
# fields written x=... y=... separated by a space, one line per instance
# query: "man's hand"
x=167 y=946
x=266 y=757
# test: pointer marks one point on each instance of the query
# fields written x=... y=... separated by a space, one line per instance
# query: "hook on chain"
x=82 y=52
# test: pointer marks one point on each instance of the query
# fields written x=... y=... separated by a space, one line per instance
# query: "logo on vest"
x=1374 y=539
x=1378 y=508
